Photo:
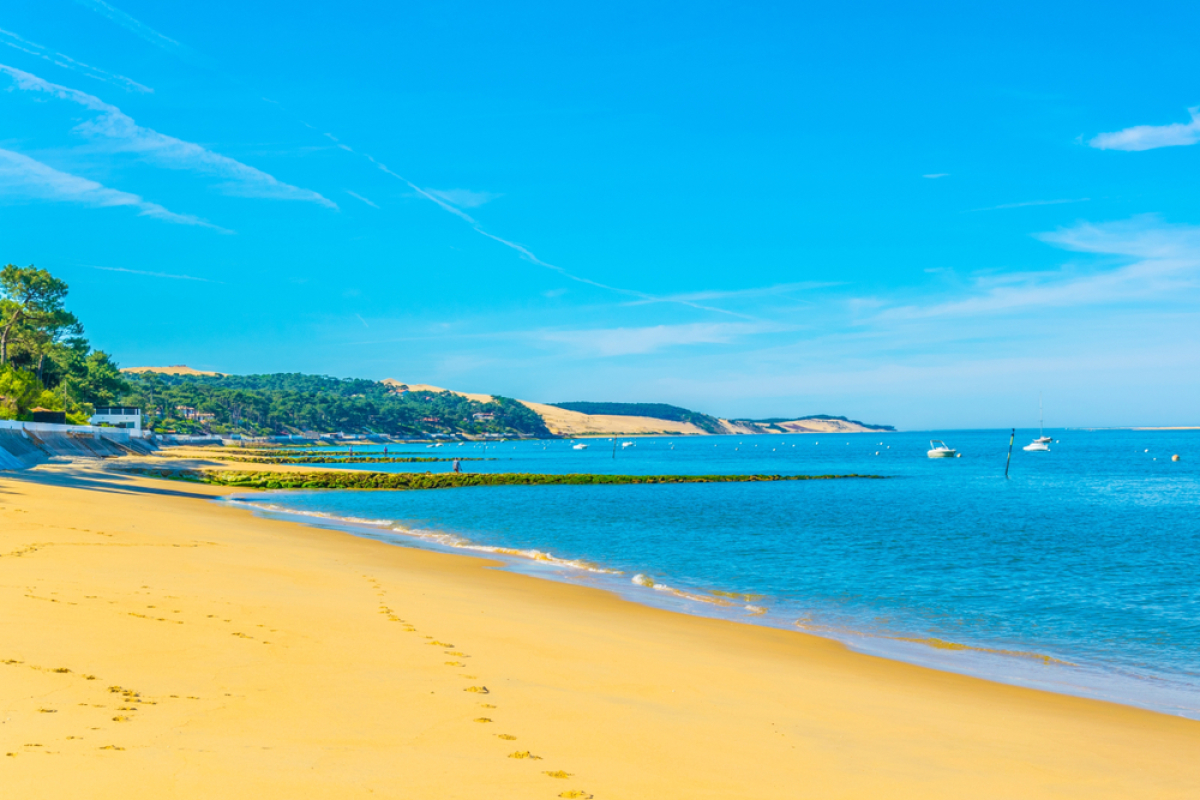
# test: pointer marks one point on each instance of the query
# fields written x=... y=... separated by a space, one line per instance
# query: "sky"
x=922 y=215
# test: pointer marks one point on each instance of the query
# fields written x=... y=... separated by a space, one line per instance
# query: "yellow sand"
x=159 y=645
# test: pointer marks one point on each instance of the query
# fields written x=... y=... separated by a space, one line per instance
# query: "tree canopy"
x=284 y=403
x=44 y=358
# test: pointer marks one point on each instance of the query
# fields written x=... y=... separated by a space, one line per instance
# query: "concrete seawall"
x=27 y=444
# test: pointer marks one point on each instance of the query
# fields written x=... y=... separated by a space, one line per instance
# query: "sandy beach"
x=158 y=644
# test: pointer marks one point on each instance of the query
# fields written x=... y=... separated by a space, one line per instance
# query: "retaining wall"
x=27 y=444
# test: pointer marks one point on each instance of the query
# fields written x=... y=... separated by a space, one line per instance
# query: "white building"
x=118 y=417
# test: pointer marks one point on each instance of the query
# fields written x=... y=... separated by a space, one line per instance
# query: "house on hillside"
x=483 y=417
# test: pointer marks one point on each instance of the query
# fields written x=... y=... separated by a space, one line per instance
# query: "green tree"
x=32 y=307
x=20 y=390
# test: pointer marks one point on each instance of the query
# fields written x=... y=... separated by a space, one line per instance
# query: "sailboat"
x=1042 y=443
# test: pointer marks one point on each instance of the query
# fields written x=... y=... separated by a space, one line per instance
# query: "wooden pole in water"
x=614 y=447
x=1011 y=439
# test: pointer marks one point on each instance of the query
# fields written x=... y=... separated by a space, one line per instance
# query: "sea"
x=1077 y=572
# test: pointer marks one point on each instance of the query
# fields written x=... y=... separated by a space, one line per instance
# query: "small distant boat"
x=626 y=444
x=580 y=447
x=1042 y=443
x=939 y=449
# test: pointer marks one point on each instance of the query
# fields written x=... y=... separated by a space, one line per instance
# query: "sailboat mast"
x=1041 y=423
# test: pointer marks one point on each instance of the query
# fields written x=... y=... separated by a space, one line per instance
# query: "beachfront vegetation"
x=654 y=410
x=45 y=361
x=291 y=403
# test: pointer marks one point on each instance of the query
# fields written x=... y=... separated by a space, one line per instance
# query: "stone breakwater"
x=448 y=480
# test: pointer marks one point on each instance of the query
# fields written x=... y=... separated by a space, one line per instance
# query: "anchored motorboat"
x=939 y=449
x=580 y=447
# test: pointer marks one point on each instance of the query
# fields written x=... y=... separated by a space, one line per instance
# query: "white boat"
x=1042 y=443
x=580 y=447
x=939 y=449
x=626 y=444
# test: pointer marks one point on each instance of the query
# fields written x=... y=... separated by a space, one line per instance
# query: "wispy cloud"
x=464 y=198
x=358 y=196
x=935 y=175
x=66 y=62
x=1150 y=137
x=1156 y=260
x=436 y=198
x=130 y=24
x=154 y=274
x=1030 y=203
x=605 y=342
x=23 y=176
x=739 y=294
x=123 y=134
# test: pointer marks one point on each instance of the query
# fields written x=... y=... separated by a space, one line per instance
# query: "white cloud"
x=156 y=274
x=1032 y=203
x=1150 y=137
x=358 y=196
x=737 y=294
x=23 y=176
x=606 y=342
x=524 y=251
x=464 y=198
x=1159 y=262
x=66 y=62
x=122 y=134
x=129 y=23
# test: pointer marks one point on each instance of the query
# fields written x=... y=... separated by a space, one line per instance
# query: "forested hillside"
x=294 y=403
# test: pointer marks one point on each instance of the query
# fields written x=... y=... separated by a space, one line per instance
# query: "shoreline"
x=267 y=659
x=1024 y=668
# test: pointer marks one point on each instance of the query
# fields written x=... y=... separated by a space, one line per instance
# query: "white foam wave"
x=438 y=537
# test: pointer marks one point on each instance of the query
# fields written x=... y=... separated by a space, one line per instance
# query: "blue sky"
x=920 y=215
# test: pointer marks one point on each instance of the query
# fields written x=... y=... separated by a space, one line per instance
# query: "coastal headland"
x=160 y=644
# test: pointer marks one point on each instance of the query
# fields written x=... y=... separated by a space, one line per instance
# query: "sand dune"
x=178 y=369
x=562 y=422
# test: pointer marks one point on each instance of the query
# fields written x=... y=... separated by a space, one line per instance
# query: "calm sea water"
x=1077 y=574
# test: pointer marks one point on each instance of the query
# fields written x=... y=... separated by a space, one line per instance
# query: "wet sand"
x=158 y=644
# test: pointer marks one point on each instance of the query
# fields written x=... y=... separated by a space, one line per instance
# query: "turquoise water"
x=1078 y=573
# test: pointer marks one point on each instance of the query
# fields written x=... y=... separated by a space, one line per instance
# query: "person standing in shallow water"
x=457 y=466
